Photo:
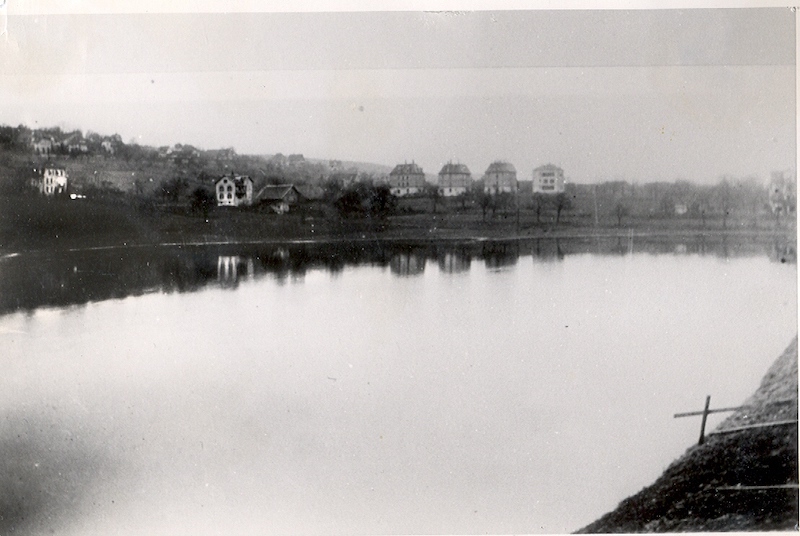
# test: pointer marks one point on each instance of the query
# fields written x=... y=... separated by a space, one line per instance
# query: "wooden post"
x=703 y=423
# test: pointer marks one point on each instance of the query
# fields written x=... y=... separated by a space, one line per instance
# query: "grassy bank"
x=36 y=223
x=739 y=481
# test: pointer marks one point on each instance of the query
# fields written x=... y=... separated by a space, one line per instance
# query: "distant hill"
x=333 y=165
x=95 y=160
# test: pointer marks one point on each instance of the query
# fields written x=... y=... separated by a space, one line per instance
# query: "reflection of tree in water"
x=784 y=251
x=29 y=281
x=547 y=249
x=500 y=254
x=407 y=263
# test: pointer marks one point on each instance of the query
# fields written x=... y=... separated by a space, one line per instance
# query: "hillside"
x=736 y=481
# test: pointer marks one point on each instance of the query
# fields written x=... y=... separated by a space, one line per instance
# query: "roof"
x=452 y=169
x=234 y=178
x=310 y=191
x=275 y=193
x=548 y=167
x=407 y=169
x=500 y=167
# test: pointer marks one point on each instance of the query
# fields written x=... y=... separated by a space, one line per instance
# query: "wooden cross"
x=705 y=414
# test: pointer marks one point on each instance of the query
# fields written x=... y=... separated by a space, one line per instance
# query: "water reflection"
x=454 y=261
x=498 y=255
x=29 y=281
x=408 y=263
x=232 y=268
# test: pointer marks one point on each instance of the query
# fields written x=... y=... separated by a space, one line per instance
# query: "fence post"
x=703 y=424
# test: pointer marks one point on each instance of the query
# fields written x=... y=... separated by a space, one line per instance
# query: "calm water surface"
x=501 y=388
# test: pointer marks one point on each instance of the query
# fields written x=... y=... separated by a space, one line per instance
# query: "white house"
x=51 y=181
x=548 y=179
x=43 y=146
x=234 y=190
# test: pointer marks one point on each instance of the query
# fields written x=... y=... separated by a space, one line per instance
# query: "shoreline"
x=434 y=236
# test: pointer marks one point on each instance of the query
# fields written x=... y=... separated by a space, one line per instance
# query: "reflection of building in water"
x=498 y=255
x=453 y=262
x=784 y=252
x=550 y=249
x=407 y=263
x=232 y=268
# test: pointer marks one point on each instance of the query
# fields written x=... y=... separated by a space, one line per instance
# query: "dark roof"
x=452 y=169
x=234 y=178
x=500 y=167
x=407 y=169
x=548 y=167
x=311 y=191
x=275 y=193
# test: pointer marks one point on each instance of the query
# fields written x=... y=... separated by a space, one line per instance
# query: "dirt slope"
x=704 y=489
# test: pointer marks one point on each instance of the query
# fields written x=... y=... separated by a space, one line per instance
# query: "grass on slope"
x=694 y=493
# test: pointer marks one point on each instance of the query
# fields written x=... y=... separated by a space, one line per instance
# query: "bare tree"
x=562 y=202
x=621 y=211
x=540 y=202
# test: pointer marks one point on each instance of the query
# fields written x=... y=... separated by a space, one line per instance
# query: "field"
x=34 y=222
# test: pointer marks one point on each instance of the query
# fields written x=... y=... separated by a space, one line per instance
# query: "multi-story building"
x=782 y=192
x=406 y=179
x=500 y=177
x=51 y=181
x=454 y=180
x=234 y=190
x=548 y=179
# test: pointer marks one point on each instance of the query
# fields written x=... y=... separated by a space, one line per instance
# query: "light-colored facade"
x=43 y=146
x=500 y=177
x=454 y=180
x=52 y=181
x=234 y=190
x=406 y=179
x=548 y=179
x=782 y=192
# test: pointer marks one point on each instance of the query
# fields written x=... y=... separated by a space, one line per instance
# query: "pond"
x=370 y=388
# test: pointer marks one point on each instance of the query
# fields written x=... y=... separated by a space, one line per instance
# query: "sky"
x=637 y=95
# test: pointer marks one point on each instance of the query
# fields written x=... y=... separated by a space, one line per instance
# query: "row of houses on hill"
x=456 y=179
x=75 y=143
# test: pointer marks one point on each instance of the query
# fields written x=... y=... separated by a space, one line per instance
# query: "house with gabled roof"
x=43 y=146
x=280 y=198
x=406 y=179
x=234 y=190
x=51 y=180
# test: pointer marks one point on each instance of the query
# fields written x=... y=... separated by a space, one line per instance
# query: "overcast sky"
x=635 y=95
